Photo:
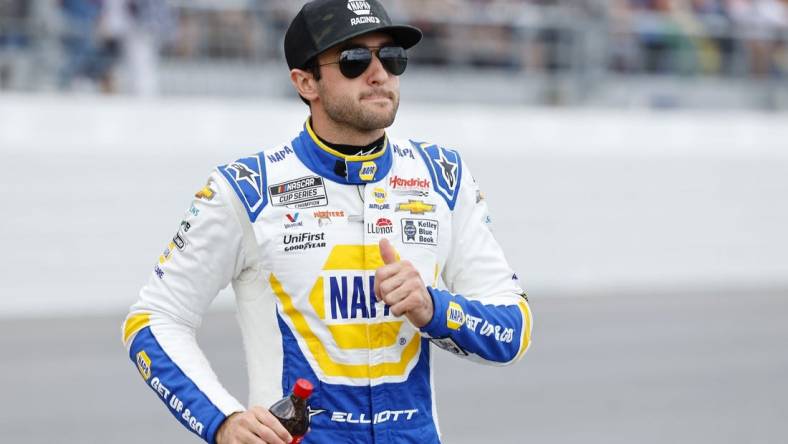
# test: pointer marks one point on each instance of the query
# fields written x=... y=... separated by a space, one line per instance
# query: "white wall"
x=584 y=201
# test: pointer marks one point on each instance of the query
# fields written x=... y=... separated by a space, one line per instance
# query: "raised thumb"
x=387 y=252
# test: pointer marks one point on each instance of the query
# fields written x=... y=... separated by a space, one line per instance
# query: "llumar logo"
x=359 y=7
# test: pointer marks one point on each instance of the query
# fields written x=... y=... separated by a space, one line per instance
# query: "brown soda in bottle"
x=292 y=410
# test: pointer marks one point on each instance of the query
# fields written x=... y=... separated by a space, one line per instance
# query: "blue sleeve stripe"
x=187 y=403
x=493 y=332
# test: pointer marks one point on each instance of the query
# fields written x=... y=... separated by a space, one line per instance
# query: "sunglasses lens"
x=353 y=62
x=394 y=59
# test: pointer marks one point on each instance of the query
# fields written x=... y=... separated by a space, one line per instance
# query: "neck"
x=340 y=134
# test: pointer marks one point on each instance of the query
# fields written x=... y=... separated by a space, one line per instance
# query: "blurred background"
x=634 y=154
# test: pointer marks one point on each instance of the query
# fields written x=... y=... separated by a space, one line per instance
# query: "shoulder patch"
x=247 y=178
x=445 y=168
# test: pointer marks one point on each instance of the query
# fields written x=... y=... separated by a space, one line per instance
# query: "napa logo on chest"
x=351 y=297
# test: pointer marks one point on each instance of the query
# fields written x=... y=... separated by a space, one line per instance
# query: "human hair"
x=313 y=68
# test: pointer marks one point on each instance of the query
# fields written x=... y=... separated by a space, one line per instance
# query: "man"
x=340 y=246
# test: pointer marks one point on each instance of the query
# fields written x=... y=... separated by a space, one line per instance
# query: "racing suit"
x=295 y=230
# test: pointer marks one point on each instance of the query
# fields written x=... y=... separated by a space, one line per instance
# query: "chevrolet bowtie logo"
x=416 y=207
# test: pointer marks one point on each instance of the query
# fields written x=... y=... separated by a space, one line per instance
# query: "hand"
x=399 y=285
x=254 y=426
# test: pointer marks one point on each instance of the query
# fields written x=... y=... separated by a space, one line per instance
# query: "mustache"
x=379 y=92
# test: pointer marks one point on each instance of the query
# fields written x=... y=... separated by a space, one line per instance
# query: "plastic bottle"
x=292 y=410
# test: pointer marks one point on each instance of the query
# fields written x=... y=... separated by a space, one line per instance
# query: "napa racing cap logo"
x=455 y=316
x=143 y=365
x=359 y=7
x=305 y=192
x=363 y=12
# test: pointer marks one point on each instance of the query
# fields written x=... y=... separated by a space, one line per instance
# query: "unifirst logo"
x=143 y=364
x=455 y=317
x=359 y=7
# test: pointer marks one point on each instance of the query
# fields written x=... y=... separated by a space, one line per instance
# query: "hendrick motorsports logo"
x=305 y=192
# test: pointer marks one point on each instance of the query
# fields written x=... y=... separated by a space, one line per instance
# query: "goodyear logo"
x=367 y=172
x=379 y=194
x=455 y=317
x=143 y=364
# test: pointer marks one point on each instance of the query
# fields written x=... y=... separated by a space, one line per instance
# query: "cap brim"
x=407 y=36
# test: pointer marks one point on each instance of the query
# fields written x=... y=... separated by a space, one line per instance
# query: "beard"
x=359 y=116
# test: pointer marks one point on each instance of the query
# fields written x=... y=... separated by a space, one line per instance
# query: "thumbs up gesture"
x=398 y=284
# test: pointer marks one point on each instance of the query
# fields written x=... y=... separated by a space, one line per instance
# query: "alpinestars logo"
x=359 y=7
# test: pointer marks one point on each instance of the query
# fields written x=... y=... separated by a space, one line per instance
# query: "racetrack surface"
x=706 y=367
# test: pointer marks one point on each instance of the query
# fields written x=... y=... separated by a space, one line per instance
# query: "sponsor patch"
x=206 y=193
x=303 y=241
x=380 y=196
x=450 y=346
x=416 y=207
x=410 y=187
x=305 y=192
x=291 y=220
x=325 y=217
x=159 y=272
x=419 y=231
x=367 y=171
x=404 y=152
x=455 y=317
x=143 y=364
x=278 y=155
x=381 y=226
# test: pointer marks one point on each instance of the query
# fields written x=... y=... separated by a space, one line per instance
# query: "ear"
x=304 y=83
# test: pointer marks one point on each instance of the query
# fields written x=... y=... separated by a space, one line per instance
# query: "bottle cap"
x=302 y=388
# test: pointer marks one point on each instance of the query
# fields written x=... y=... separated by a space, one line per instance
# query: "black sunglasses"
x=354 y=61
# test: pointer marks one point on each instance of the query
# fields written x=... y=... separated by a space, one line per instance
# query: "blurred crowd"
x=711 y=36
x=110 y=42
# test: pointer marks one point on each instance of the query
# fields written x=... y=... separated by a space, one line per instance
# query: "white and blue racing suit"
x=295 y=230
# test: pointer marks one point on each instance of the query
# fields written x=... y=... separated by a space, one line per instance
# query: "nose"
x=376 y=73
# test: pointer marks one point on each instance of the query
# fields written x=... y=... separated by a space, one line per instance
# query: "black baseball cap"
x=321 y=24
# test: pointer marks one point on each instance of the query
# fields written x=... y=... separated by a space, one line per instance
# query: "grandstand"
x=650 y=53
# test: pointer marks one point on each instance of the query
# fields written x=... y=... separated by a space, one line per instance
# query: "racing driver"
x=349 y=253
